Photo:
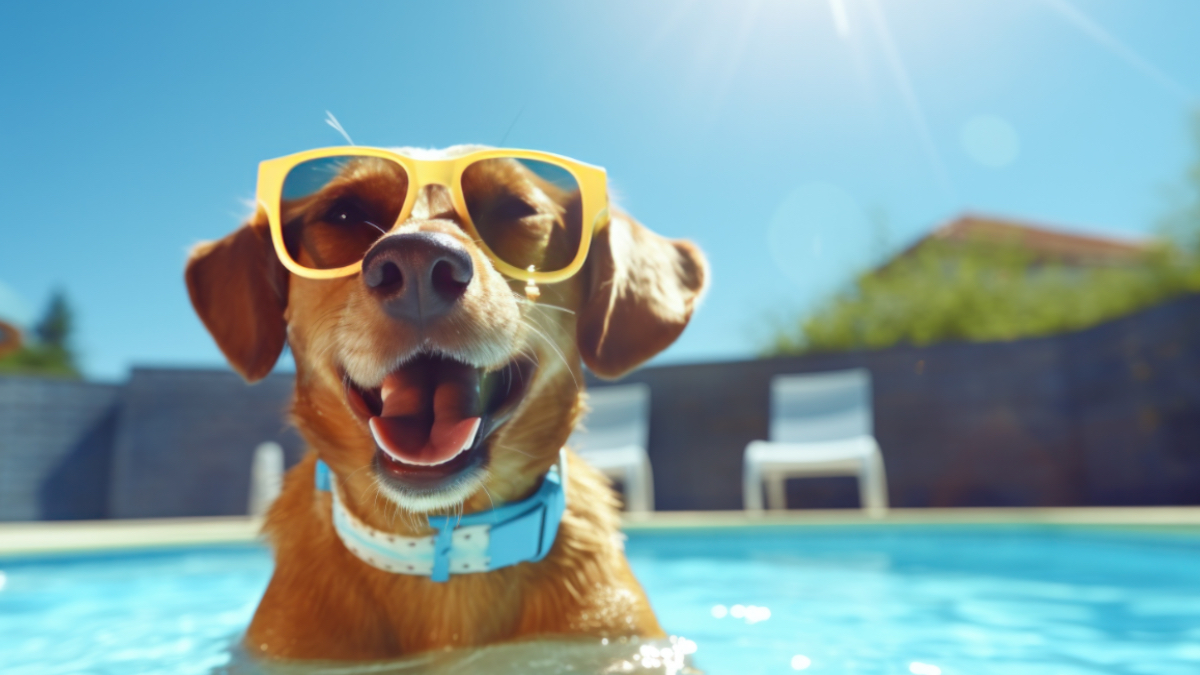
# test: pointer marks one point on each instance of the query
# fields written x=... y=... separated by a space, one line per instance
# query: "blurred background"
x=993 y=206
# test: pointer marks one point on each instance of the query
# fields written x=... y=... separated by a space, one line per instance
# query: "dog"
x=384 y=396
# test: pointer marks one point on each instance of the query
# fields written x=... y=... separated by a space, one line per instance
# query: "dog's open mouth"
x=431 y=417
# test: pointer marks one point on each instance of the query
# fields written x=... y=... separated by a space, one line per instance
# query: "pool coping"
x=19 y=539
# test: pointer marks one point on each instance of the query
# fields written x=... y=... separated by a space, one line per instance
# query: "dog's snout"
x=418 y=276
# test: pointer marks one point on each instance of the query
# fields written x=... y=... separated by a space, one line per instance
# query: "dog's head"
x=429 y=378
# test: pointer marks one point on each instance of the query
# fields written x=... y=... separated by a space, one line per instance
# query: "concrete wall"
x=185 y=441
x=1107 y=416
x=56 y=439
x=1135 y=388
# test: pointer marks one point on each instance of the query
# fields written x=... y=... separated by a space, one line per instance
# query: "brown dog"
x=363 y=354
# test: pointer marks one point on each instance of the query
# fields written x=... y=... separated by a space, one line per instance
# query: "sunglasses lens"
x=334 y=208
x=528 y=212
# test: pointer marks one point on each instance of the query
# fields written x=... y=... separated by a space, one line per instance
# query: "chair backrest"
x=821 y=406
x=619 y=417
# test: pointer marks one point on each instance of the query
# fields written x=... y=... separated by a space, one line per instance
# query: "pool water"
x=925 y=600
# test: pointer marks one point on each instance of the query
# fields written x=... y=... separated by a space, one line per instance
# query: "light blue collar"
x=509 y=534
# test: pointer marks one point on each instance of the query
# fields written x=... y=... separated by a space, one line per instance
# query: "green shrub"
x=981 y=292
x=39 y=359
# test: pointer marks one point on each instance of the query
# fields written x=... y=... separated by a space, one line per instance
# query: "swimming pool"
x=823 y=599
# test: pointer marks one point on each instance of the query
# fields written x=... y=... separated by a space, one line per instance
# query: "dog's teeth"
x=471 y=436
x=378 y=436
x=386 y=389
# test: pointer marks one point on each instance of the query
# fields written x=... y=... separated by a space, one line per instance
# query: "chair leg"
x=866 y=492
x=266 y=477
x=776 y=493
x=752 y=496
x=881 y=485
x=872 y=484
x=647 y=485
x=629 y=489
x=638 y=497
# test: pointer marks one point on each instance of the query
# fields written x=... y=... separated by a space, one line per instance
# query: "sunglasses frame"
x=593 y=193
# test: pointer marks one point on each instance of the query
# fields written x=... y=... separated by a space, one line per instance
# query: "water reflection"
x=672 y=656
x=800 y=662
x=750 y=613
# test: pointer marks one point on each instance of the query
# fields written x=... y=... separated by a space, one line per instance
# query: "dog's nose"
x=419 y=275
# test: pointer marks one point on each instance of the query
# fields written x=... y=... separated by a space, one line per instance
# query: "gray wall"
x=1107 y=416
x=186 y=438
x=56 y=439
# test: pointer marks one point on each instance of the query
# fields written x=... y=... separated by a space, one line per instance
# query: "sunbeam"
x=726 y=77
x=668 y=25
x=841 y=20
x=1095 y=31
x=915 y=111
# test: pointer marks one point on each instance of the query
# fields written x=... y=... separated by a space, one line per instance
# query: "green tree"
x=51 y=354
x=55 y=326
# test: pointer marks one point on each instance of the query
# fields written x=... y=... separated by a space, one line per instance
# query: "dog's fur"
x=633 y=297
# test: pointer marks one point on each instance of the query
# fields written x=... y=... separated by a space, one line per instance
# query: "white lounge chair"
x=266 y=477
x=821 y=425
x=614 y=438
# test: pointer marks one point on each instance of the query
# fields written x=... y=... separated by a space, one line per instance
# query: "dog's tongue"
x=430 y=413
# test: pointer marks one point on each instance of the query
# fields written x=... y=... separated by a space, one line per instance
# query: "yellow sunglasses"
x=533 y=213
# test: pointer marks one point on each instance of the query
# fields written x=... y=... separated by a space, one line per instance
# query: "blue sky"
x=795 y=140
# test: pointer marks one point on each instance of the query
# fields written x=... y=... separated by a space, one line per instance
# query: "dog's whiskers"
x=522 y=300
x=378 y=485
x=512 y=449
x=553 y=347
x=489 y=496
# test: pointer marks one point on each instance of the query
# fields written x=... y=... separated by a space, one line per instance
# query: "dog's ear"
x=239 y=289
x=640 y=291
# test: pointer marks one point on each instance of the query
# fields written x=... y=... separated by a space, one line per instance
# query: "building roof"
x=1046 y=243
x=10 y=338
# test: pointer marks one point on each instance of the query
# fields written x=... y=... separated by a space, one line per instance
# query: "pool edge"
x=1111 y=516
x=21 y=539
